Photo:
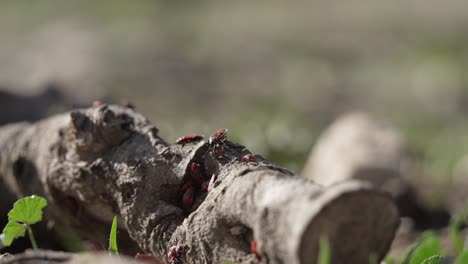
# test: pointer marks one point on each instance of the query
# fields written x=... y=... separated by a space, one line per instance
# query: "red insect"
x=254 y=249
x=189 y=139
x=213 y=179
x=196 y=172
x=204 y=186
x=218 y=151
x=174 y=254
x=216 y=141
x=127 y=104
x=97 y=104
x=218 y=137
x=248 y=158
x=188 y=198
x=186 y=186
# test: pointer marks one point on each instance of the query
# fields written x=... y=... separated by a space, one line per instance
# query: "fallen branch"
x=95 y=163
x=57 y=257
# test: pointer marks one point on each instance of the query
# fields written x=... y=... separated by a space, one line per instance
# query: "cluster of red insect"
x=216 y=141
x=197 y=181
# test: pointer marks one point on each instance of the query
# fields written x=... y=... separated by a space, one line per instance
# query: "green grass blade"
x=324 y=253
x=462 y=258
x=456 y=237
x=113 y=238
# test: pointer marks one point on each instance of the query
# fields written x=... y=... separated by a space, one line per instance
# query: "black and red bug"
x=196 y=173
x=254 y=249
x=189 y=139
x=216 y=141
x=188 y=198
x=218 y=151
x=174 y=254
x=97 y=104
x=204 y=186
x=186 y=186
x=248 y=158
x=218 y=137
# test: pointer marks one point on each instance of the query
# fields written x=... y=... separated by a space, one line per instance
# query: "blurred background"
x=275 y=73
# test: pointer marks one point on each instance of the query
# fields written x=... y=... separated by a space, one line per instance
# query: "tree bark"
x=95 y=163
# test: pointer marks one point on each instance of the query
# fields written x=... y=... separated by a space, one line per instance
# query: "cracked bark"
x=95 y=163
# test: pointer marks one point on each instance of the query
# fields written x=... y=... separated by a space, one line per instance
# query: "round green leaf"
x=28 y=210
x=12 y=231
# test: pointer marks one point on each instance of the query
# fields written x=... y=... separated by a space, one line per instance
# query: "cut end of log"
x=356 y=219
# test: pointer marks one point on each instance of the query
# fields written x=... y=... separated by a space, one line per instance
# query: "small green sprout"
x=113 y=238
x=324 y=253
x=25 y=212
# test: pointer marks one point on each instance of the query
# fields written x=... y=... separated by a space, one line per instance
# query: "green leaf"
x=428 y=246
x=324 y=253
x=433 y=260
x=456 y=237
x=12 y=231
x=28 y=210
x=113 y=238
x=462 y=258
x=227 y=262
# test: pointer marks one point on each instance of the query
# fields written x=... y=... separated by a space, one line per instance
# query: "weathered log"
x=359 y=147
x=95 y=163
